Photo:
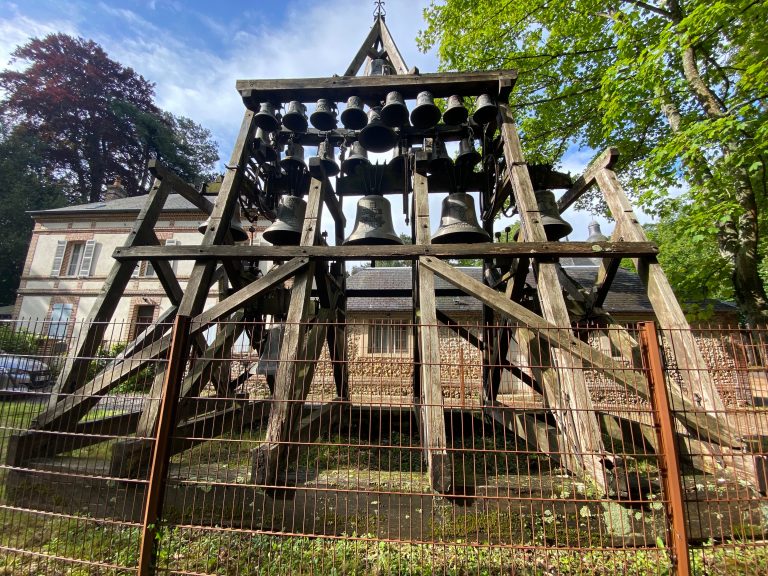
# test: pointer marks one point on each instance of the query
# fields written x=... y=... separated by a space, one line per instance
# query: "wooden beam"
x=462 y=331
x=294 y=372
x=180 y=186
x=112 y=290
x=605 y=160
x=572 y=405
x=338 y=88
x=533 y=250
x=687 y=412
x=253 y=290
x=389 y=45
x=434 y=437
x=362 y=53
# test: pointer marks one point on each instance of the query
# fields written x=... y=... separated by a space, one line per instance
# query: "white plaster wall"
x=42 y=259
x=34 y=307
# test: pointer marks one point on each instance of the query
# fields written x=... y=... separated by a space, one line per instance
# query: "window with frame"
x=60 y=316
x=145 y=315
x=387 y=338
x=73 y=258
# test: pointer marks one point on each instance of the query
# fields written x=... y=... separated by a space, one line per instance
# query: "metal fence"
x=82 y=471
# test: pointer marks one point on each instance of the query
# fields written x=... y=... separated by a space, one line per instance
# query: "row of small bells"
x=377 y=126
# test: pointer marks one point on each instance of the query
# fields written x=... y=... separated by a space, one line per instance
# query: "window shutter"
x=58 y=258
x=136 y=270
x=172 y=242
x=87 y=262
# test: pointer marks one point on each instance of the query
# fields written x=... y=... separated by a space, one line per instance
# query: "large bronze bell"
x=295 y=117
x=468 y=157
x=377 y=136
x=324 y=116
x=357 y=157
x=286 y=229
x=458 y=222
x=554 y=226
x=294 y=159
x=353 y=116
x=439 y=161
x=595 y=234
x=235 y=226
x=266 y=117
x=327 y=160
x=455 y=112
x=485 y=110
x=373 y=223
x=394 y=113
x=426 y=114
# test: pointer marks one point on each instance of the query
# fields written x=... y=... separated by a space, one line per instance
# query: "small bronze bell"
x=554 y=226
x=235 y=226
x=357 y=157
x=458 y=222
x=266 y=117
x=324 y=116
x=325 y=155
x=455 y=113
x=353 y=116
x=377 y=136
x=395 y=112
x=262 y=145
x=426 y=114
x=295 y=117
x=378 y=67
x=485 y=110
x=373 y=223
x=468 y=157
x=439 y=161
x=595 y=234
x=294 y=159
x=286 y=229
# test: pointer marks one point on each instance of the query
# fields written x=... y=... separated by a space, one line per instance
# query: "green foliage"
x=678 y=88
x=18 y=341
x=26 y=183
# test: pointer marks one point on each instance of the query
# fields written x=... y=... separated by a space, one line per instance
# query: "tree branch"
x=650 y=8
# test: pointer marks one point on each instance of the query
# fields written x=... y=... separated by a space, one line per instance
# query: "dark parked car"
x=22 y=374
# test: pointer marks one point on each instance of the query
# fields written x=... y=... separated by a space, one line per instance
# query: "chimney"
x=115 y=191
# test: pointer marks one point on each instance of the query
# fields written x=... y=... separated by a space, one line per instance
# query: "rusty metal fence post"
x=177 y=359
x=669 y=457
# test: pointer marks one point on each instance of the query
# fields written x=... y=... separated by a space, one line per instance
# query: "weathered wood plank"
x=688 y=413
x=294 y=372
x=534 y=250
x=434 y=438
x=180 y=186
x=362 y=53
x=605 y=160
x=571 y=403
x=388 y=43
x=338 y=88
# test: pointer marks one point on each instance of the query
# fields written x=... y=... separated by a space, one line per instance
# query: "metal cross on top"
x=379 y=11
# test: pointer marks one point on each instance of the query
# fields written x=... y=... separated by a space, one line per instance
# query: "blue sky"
x=194 y=51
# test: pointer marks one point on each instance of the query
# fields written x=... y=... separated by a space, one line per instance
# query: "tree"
x=678 y=86
x=25 y=184
x=97 y=119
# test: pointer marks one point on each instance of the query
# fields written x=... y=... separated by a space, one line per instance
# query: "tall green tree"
x=97 y=119
x=678 y=85
x=26 y=183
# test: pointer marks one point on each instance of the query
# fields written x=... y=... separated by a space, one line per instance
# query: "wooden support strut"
x=434 y=438
x=290 y=393
x=572 y=407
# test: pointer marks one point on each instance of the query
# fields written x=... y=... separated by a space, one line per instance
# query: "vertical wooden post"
x=433 y=431
x=669 y=457
x=571 y=403
x=174 y=372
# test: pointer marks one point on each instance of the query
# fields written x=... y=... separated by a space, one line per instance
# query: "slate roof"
x=174 y=203
x=627 y=294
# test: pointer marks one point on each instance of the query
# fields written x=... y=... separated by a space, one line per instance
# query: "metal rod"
x=177 y=360
x=669 y=457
